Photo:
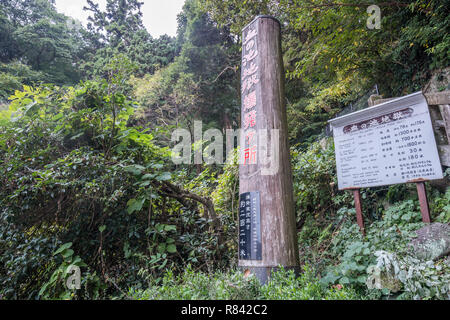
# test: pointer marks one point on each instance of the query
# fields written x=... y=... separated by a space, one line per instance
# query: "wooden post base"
x=263 y=273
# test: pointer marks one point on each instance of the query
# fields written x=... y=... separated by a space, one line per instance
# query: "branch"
x=223 y=71
x=179 y=194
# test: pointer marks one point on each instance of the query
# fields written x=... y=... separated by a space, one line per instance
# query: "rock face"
x=432 y=242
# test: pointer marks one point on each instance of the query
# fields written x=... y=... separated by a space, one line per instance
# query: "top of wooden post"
x=262 y=17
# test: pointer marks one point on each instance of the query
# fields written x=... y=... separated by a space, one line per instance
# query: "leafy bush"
x=75 y=171
x=234 y=285
x=283 y=285
x=314 y=179
x=62 y=181
x=442 y=207
x=420 y=279
x=356 y=252
x=13 y=75
x=8 y=84
x=199 y=286
x=329 y=238
x=363 y=259
x=24 y=263
x=56 y=288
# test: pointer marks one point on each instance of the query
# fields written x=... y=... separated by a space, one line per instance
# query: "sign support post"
x=267 y=225
x=358 y=207
x=423 y=200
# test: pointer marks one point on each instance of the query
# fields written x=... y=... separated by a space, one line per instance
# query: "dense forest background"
x=86 y=115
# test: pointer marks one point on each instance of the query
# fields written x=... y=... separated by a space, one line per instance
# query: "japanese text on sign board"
x=386 y=144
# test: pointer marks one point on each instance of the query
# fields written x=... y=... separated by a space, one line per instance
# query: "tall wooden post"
x=267 y=226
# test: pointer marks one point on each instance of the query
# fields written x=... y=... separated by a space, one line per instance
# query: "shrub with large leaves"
x=76 y=171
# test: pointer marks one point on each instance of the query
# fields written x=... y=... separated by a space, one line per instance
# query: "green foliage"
x=405 y=212
x=24 y=259
x=354 y=262
x=226 y=193
x=442 y=206
x=170 y=95
x=120 y=30
x=315 y=180
x=34 y=33
x=284 y=285
x=356 y=252
x=57 y=155
x=8 y=84
x=87 y=179
x=234 y=285
x=13 y=75
x=226 y=201
x=201 y=83
x=194 y=285
x=56 y=288
x=331 y=57
x=76 y=172
x=422 y=280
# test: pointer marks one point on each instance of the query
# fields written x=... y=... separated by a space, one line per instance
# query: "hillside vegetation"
x=87 y=180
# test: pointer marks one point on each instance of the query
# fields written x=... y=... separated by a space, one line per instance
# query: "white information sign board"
x=386 y=144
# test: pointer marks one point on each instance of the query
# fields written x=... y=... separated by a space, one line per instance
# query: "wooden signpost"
x=386 y=144
x=267 y=232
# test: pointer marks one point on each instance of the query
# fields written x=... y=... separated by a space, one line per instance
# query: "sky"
x=159 y=16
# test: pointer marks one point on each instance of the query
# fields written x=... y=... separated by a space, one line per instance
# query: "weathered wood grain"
x=438 y=98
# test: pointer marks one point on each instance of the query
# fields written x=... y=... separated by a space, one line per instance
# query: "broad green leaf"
x=164 y=176
x=135 y=169
x=135 y=205
x=67 y=253
x=171 y=248
x=344 y=280
x=161 y=247
x=63 y=247
x=169 y=227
